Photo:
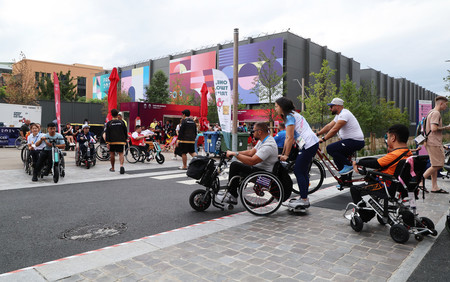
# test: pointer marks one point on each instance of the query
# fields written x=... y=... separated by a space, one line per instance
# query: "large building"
x=83 y=74
x=296 y=56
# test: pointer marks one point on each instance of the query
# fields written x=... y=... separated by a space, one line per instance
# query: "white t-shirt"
x=302 y=129
x=351 y=130
x=267 y=151
x=33 y=139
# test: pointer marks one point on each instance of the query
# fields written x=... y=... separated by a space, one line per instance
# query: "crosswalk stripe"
x=194 y=181
x=169 y=176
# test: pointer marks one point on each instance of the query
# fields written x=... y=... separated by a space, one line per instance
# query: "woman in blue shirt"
x=298 y=130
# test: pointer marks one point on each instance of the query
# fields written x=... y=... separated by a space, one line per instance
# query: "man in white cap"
x=352 y=137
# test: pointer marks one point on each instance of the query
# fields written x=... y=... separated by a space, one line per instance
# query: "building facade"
x=83 y=74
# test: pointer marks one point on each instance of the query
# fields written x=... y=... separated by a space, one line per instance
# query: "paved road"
x=32 y=220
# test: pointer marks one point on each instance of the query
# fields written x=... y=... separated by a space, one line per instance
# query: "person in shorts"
x=186 y=138
x=116 y=137
x=434 y=143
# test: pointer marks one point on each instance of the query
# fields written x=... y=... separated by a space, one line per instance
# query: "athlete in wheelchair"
x=390 y=191
x=85 y=151
x=256 y=176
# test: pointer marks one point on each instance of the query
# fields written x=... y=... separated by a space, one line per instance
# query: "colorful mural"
x=187 y=75
x=134 y=81
x=101 y=86
x=249 y=65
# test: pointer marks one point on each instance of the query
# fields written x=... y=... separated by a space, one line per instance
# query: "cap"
x=336 y=101
x=186 y=113
x=85 y=125
x=120 y=114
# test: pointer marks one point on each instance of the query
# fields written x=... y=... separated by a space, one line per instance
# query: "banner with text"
x=57 y=101
x=222 y=89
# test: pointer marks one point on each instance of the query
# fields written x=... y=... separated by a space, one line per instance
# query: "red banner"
x=112 y=92
x=57 y=101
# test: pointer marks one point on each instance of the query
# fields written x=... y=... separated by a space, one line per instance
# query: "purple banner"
x=8 y=135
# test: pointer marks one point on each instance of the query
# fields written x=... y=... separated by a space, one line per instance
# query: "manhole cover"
x=94 y=232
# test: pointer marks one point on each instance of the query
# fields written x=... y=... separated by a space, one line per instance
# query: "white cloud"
x=401 y=38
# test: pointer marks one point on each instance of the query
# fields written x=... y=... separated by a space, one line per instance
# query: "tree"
x=268 y=85
x=212 y=116
x=122 y=97
x=447 y=80
x=322 y=91
x=2 y=93
x=157 y=91
x=20 y=85
x=67 y=88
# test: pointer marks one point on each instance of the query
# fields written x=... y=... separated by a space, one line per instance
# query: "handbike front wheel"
x=200 y=200
x=261 y=193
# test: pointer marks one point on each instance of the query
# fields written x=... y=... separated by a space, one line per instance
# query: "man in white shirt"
x=262 y=157
x=352 y=137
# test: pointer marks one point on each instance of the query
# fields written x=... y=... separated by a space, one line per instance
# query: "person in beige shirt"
x=434 y=142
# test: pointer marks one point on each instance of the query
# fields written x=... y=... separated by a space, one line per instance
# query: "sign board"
x=12 y=115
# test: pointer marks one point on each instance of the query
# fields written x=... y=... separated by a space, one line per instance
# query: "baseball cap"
x=336 y=101
x=85 y=125
x=186 y=113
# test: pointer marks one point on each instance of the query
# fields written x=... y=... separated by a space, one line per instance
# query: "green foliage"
x=2 y=93
x=212 y=116
x=447 y=81
x=95 y=100
x=158 y=90
x=320 y=93
x=267 y=84
x=67 y=88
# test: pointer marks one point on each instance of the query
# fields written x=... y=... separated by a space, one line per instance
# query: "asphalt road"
x=33 y=220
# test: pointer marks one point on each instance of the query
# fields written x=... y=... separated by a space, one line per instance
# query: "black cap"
x=186 y=113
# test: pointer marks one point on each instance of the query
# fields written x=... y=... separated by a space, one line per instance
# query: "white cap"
x=336 y=101
x=85 y=125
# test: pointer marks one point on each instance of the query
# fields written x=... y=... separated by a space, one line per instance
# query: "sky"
x=401 y=38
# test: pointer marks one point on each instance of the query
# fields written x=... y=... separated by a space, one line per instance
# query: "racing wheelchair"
x=396 y=205
x=261 y=192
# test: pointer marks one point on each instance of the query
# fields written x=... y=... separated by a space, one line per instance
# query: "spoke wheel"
x=132 y=155
x=261 y=193
x=200 y=200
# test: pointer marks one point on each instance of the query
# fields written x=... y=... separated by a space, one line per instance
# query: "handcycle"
x=396 y=205
x=261 y=192
x=134 y=154
x=317 y=172
x=56 y=165
x=88 y=158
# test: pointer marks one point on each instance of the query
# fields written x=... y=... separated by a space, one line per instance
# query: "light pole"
x=302 y=85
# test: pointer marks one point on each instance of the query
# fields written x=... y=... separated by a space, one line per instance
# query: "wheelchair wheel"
x=428 y=223
x=357 y=223
x=399 y=233
x=261 y=193
x=77 y=158
x=24 y=153
x=62 y=168
x=102 y=153
x=199 y=201
x=132 y=155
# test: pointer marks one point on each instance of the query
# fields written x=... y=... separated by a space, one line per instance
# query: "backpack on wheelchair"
x=395 y=205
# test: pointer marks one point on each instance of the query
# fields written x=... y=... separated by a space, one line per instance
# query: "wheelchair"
x=88 y=158
x=261 y=192
x=394 y=206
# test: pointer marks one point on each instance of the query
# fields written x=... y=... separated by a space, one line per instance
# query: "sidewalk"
x=320 y=246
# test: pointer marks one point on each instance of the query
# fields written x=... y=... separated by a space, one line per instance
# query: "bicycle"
x=318 y=165
x=134 y=154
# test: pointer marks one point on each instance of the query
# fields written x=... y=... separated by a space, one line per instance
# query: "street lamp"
x=302 y=85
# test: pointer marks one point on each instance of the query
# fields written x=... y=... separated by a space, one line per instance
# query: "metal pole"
x=234 y=139
x=303 y=94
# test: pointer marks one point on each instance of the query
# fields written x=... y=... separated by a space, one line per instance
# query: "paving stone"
x=324 y=274
x=143 y=271
x=105 y=278
x=303 y=276
x=359 y=275
x=131 y=278
x=73 y=278
x=92 y=274
x=343 y=278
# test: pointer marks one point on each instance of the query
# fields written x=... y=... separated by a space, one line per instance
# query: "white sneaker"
x=226 y=199
x=299 y=203
x=174 y=158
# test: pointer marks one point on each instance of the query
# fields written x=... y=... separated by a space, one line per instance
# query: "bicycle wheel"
x=159 y=158
x=23 y=153
x=132 y=154
x=18 y=143
x=55 y=173
x=316 y=176
x=261 y=193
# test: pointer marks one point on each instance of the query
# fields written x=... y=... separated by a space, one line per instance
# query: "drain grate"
x=93 y=232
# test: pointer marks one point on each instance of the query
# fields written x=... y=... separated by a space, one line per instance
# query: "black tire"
x=399 y=233
x=160 y=158
x=88 y=164
x=261 y=193
x=62 y=168
x=316 y=176
x=18 y=143
x=77 y=158
x=447 y=224
x=357 y=223
x=199 y=201
x=428 y=223
x=133 y=155
x=55 y=173
x=23 y=153
x=102 y=153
